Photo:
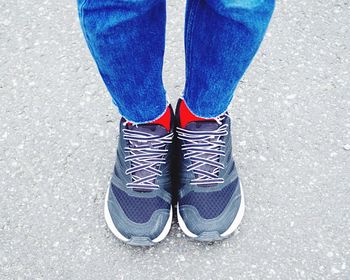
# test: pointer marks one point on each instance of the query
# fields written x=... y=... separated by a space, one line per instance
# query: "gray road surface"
x=58 y=131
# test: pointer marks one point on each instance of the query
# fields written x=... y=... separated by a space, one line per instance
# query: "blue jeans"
x=127 y=37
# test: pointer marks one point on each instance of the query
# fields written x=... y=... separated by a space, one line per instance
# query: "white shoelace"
x=146 y=153
x=204 y=148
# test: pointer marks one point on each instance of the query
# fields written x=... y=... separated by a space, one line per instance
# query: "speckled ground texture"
x=291 y=128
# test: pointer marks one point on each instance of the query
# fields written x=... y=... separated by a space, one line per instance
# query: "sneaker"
x=210 y=199
x=138 y=206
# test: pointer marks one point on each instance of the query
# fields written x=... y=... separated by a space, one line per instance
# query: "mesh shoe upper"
x=210 y=204
x=138 y=209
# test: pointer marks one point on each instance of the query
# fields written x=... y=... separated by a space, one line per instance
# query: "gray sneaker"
x=138 y=206
x=210 y=199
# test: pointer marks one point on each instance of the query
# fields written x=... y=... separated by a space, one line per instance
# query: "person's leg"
x=126 y=39
x=221 y=39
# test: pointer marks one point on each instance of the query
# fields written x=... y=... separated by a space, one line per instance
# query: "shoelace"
x=147 y=154
x=202 y=148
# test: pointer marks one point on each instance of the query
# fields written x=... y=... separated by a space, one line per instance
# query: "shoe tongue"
x=154 y=129
x=204 y=126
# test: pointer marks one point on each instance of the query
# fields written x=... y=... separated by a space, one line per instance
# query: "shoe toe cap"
x=208 y=215
x=139 y=220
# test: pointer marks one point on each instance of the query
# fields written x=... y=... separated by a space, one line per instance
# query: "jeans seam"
x=81 y=9
x=190 y=27
x=83 y=25
x=87 y=39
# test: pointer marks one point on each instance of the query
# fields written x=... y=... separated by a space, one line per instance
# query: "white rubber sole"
x=117 y=234
x=236 y=222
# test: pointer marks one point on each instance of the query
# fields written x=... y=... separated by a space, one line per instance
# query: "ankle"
x=164 y=120
x=186 y=116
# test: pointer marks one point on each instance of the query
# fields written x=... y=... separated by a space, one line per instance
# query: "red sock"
x=186 y=116
x=163 y=120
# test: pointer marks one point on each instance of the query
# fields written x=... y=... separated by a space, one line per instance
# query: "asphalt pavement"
x=291 y=131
